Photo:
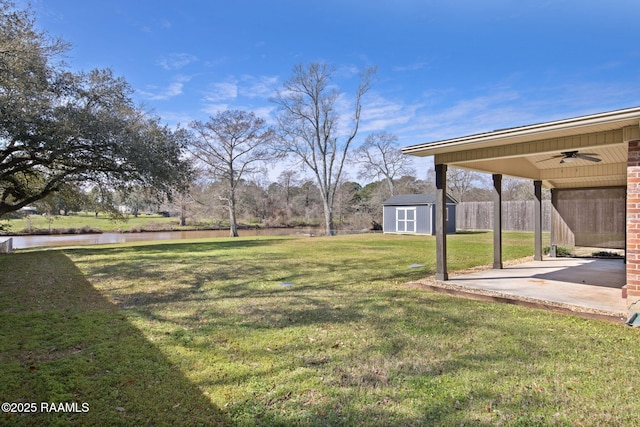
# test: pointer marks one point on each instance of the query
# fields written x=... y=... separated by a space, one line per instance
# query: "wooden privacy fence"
x=594 y=217
x=516 y=215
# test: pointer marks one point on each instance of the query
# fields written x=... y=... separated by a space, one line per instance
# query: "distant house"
x=415 y=214
x=28 y=210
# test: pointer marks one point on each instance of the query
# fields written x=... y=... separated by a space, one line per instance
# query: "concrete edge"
x=494 y=296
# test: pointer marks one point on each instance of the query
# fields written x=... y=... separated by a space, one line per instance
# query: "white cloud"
x=347 y=71
x=506 y=107
x=379 y=113
x=156 y=93
x=258 y=86
x=213 y=109
x=430 y=122
x=247 y=93
x=411 y=67
x=222 y=91
x=175 y=61
x=264 y=113
x=173 y=119
x=245 y=86
x=163 y=24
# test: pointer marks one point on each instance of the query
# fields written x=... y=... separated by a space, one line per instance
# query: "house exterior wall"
x=633 y=226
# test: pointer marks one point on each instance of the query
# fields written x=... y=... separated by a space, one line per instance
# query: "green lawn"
x=297 y=331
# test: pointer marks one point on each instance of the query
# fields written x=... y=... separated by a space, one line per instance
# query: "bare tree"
x=347 y=201
x=380 y=158
x=288 y=179
x=516 y=189
x=462 y=183
x=232 y=145
x=183 y=201
x=310 y=126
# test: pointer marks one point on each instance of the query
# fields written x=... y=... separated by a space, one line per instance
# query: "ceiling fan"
x=572 y=156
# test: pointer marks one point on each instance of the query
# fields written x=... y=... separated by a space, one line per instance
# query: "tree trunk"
x=233 y=225
x=328 y=220
x=390 y=184
x=183 y=212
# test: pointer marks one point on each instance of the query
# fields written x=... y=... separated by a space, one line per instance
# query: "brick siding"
x=633 y=224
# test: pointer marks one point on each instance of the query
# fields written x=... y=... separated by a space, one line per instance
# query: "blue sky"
x=446 y=68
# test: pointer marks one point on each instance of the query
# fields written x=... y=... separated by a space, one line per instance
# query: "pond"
x=24 y=242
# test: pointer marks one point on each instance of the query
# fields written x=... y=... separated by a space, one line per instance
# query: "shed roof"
x=414 y=199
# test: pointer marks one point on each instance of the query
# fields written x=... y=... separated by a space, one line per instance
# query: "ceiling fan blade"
x=588 y=157
x=551 y=158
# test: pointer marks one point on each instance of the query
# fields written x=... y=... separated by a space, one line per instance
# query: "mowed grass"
x=297 y=331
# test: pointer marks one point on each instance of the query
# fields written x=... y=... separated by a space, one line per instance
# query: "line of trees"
x=291 y=200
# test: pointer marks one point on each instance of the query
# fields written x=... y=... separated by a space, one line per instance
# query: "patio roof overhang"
x=527 y=151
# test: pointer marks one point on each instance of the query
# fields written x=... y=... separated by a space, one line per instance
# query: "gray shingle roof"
x=414 y=199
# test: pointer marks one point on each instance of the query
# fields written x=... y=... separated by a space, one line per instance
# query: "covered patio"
x=583 y=286
x=599 y=153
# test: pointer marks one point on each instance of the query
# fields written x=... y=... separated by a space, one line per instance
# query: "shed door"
x=406 y=220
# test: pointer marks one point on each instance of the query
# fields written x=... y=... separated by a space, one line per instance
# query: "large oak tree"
x=59 y=127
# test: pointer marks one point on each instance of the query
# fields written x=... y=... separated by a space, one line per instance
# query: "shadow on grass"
x=62 y=342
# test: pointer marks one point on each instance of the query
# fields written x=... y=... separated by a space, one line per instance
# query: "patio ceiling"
x=527 y=151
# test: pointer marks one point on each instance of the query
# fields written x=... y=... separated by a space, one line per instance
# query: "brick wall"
x=633 y=226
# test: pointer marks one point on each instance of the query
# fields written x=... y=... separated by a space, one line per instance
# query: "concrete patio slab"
x=580 y=285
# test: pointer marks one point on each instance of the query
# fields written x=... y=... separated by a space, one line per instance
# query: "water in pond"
x=23 y=242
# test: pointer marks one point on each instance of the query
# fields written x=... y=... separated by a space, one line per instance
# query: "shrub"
x=561 y=251
x=606 y=254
